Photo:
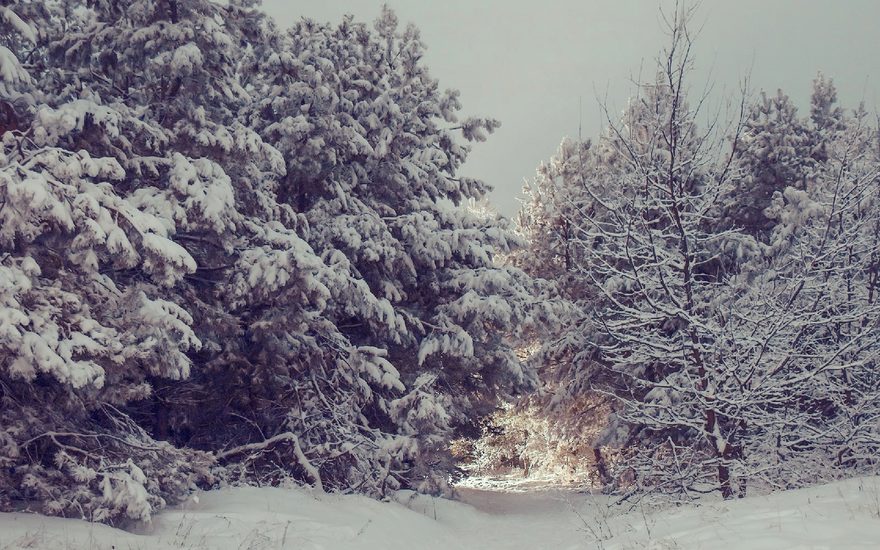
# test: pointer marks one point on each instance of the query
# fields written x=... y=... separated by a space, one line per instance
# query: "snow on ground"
x=837 y=516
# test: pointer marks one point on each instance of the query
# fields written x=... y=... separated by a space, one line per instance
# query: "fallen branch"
x=297 y=449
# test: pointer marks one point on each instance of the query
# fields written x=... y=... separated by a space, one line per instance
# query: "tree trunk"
x=724 y=481
x=601 y=466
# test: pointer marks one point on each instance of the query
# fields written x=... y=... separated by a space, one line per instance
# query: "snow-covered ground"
x=837 y=516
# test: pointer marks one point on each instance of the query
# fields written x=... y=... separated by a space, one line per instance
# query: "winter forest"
x=238 y=255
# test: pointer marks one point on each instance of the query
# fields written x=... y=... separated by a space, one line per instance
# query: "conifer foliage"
x=232 y=253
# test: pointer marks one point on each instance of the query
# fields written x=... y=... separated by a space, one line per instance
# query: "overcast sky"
x=529 y=63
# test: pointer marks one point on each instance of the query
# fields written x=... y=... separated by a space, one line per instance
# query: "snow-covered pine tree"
x=373 y=154
x=84 y=322
x=253 y=287
x=827 y=118
x=18 y=38
x=249 y=244
x=773 y=152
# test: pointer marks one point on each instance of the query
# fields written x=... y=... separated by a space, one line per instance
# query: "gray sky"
x=528 y=64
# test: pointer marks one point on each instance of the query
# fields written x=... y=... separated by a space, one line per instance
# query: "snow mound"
x=840 y=516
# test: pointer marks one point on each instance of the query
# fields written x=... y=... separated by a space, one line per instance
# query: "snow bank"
x=842 y=515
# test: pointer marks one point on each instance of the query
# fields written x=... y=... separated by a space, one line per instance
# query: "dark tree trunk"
x=601 y=466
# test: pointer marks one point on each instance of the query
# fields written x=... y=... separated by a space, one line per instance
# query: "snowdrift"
x=840 y=515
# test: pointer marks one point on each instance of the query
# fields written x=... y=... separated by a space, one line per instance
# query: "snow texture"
x=843 y=515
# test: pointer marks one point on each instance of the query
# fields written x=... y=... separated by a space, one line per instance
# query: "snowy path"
x=501 y=503
x=838 y=516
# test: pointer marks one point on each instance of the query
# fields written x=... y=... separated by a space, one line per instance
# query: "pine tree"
x=236 y=253
x=773 y=152
x=372 y=170
x=85 y=321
